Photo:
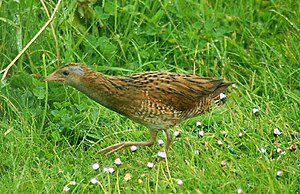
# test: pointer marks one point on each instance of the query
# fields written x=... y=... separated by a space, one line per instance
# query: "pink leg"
x=118 y=146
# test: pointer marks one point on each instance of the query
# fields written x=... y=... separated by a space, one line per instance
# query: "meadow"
x=50 y=133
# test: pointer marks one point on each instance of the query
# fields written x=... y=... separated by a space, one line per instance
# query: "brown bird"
x=157 y=100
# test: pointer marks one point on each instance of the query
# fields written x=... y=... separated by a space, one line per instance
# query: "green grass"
x=50 y=133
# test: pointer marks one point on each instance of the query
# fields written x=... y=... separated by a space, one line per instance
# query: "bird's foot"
x=112 y=148
x=118 y=146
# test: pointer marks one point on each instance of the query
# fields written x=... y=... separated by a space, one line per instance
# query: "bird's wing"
x=180 y=91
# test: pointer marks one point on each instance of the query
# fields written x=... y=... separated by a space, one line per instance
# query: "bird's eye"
x=65 y=73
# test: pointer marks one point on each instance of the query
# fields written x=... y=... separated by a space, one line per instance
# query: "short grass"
x=50 y=133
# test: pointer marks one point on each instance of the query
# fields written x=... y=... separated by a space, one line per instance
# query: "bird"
x=158 y=100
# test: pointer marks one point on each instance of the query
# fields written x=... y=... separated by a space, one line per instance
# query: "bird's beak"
x=54 y=77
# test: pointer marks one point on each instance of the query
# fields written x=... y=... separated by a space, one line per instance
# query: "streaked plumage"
x=157 y=100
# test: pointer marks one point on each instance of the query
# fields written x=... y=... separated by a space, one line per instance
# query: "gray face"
x=72 y=70
x=72 y=75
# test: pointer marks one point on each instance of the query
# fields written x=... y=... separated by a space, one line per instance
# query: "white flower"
x=222 y=96
x=162 y=154
x=133 y=148
x=179 y=182
x=201 y=133
x=262 y=150
x=66 y=188
x=223 y=162
x=219 y=142
x=96 y=166
x=94 y=181
x=118 y=161
x=150 y=164
x=240 y=135
x=279 y=173
x=197 y=152
x=111 y=170
x=108 y=170
x=276 y=131
x=255 y=110
x=239 y=191
x=198 y=124
x=280 y=151
x=105 y=170
x=176 y=133
x=160 y=142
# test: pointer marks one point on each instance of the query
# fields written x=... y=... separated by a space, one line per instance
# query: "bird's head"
x=71 y=74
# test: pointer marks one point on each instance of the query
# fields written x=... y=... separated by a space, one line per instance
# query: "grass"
x=50 y=133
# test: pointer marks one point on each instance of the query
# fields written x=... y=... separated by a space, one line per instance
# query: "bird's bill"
x=54 y=77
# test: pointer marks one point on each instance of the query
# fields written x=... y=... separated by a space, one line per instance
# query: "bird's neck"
x=100 y=88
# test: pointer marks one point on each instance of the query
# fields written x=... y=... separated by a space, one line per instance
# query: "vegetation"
x=50 y=134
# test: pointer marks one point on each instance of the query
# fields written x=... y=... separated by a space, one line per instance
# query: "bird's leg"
x=169 y=139
x=118 y=146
